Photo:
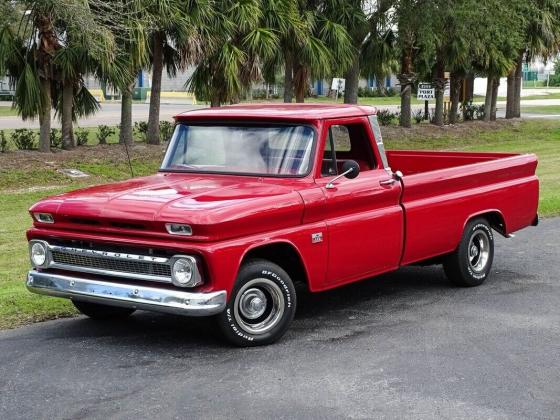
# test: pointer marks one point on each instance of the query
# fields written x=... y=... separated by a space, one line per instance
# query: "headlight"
x=44 y=217
x=38 y=254
x=184 y=272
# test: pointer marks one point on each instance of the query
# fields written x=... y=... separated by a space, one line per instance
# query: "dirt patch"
x=110 y=153
x=430 y=131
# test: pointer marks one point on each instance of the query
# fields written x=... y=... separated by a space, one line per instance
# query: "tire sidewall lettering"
x=288 y=302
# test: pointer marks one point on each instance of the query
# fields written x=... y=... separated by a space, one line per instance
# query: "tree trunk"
x=45 y=117
x=439 y=83
x=125 y=135
x=288 y=78
x=406 y=111
x=300 y=81
x=155 y=95
x=469 y=92
x=352 y=77
x=510 y=104
x=518 y=84
x=488 y=98
x=406 y=80
x=495 y=86
x=215 y=102
x=66 y=120
x=469 y=96
x=455 y=87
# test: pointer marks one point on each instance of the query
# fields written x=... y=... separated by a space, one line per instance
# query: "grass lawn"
x=7 y=111
x=544 y=109
x=25 y=177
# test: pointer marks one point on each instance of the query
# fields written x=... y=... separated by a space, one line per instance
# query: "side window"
x=347 y=142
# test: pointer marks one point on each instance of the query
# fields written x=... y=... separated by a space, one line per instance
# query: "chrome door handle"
x=387 y=182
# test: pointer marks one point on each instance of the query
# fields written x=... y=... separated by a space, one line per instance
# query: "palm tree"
x=541 y=37
x=81 y=53
x=325 y=46
x=373 y=40
x=27 y=58
x=239 y=45
x=408 y=15
x=178 y=34
x=44 y=53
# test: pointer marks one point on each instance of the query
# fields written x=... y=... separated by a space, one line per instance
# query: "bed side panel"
x=438 y=204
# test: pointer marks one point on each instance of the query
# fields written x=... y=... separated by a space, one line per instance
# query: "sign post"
x=426 y=91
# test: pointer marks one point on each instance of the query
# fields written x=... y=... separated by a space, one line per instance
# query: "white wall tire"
x=261 y=307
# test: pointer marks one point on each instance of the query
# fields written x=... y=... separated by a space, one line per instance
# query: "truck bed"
x=441 y=190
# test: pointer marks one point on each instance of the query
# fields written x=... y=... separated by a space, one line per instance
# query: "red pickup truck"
x=251 y=200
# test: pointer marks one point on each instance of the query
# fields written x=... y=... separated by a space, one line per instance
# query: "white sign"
x=426 y=91
x=338 y=84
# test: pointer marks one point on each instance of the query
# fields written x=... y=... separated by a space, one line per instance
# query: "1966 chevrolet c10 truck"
x=252 y=199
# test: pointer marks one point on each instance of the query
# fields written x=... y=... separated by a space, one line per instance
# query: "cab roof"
x=299 y=112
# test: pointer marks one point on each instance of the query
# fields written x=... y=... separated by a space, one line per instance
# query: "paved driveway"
x=110 y=113
x=405 y=345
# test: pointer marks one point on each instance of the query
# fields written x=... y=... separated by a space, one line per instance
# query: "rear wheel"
x=101 y=312
x=471 y=262
x=261 y=307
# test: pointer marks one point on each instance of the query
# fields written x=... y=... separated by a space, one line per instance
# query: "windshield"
x=245 y=149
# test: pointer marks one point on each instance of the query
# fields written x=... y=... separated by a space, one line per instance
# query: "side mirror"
x=350 y=169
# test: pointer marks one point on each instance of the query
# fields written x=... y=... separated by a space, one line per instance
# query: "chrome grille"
x=112 y=264
x=109 y=263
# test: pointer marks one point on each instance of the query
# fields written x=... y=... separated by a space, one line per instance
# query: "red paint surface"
x=367 y=228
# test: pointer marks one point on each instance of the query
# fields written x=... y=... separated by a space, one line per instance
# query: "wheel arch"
x=283 y=253
x=494 y=217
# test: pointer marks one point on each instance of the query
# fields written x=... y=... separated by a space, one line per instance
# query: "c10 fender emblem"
x=316 y=237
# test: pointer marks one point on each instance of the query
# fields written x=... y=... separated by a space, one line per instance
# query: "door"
x=363 y=215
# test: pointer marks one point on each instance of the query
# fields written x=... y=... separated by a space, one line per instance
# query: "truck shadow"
x=400 y=290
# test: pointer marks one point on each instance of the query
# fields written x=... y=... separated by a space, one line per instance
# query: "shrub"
x=259 y=94
x=386 y=117
x=82 y=136
x=103 y=132
x=141 y=130
x=392 y=92
x=166 y=130
x=24 y=139
x=554 y=79
x=479 y=112
x=472 y=112
x=56 y=138
x=370 y=92
x=418 y=116
x=3 y=142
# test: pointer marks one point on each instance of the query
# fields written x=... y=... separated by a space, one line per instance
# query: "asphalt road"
x=110 y=113
x=404 y=345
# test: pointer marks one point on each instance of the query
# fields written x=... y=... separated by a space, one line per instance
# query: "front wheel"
x=261 y=307
x=471 y=262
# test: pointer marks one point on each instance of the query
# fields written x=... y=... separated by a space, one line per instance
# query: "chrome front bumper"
x=127 y=295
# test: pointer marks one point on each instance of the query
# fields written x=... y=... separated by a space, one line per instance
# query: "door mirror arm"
x=350 y=170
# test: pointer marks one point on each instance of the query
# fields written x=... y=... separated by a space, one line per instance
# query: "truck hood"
x=216 y=207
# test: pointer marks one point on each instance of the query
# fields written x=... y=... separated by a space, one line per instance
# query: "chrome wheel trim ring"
x=478 y=250
x=274 y=306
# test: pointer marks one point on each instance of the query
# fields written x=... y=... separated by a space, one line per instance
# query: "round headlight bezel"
x=188 y=264
x=35 y=246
